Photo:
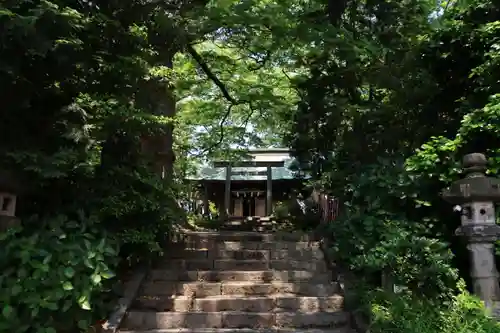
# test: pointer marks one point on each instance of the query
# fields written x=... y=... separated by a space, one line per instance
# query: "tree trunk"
x=158 y=97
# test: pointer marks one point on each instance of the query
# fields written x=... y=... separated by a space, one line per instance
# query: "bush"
x=204 y=222
x=53 y=280
x=405 y=313
x=290 y=212
x=139 y=208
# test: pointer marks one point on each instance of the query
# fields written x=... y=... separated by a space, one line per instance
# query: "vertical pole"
x=269 y=192
x=206 y=210
x=227 y=193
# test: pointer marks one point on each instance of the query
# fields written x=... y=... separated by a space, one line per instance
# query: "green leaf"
x=85 y=305
x=96 y=278
x=16 y=290
x=83 y=302
x=110 y=250
x=101 y=244
x=107 y=274
x=47 y=259
x=7 y=311
x=67 y=285
x=88 y=263
x=69 y=272
x=67 y=305
x=52 y=306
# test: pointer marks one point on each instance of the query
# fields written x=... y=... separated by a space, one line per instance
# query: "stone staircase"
x=239 y=282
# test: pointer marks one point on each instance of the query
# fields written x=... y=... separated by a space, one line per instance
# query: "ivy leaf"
x=107 y=274
x=96 y=278
x=69 y=272
x=67 y=286
x=84 y=303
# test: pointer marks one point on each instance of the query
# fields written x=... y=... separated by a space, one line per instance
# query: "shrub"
x=139 y=208
x=405 y=313
x=53 y=280
x=204 y=222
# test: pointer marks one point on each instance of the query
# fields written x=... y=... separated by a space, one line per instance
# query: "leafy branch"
x=225 y=92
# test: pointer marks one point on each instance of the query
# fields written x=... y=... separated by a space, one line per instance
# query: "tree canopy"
x=108 y=105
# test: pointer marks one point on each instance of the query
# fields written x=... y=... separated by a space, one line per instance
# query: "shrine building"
x=249 y=187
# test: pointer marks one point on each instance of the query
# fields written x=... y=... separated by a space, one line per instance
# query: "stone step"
x=235 y=275
x=145 y=320
x=242 y=330
x=220 y=254
x=306 y=254
x=204 y=289
x=252 y=236
x=274 y=246
x=210 y=244
x=271 y=303
x=243 y=265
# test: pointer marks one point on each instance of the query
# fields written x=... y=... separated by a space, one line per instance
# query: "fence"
x=328 y=206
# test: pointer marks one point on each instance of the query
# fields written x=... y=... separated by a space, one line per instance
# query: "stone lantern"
x=9 y=189
x=474 y=196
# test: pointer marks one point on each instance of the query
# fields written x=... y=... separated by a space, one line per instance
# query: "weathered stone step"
x=253 y=236
x=306 y=254
x=204 y=289
x=271 y=303
x=210 y=244
x=145 y=320
x=243 y=265
x=221 y=254
x=217 y=264
x=242 y=330
x=234 y=275
x=274 y=246
x=261 y=227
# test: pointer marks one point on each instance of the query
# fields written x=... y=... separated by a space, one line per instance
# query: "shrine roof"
x=247 y=173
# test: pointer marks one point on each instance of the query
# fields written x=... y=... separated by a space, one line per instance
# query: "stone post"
x=269 y=191
x=475 y=196
x=206 y=203
x=227 y=192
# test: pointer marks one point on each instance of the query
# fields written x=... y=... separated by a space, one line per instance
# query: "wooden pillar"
x=269 y=192
x=206 y=210
x=227 y=192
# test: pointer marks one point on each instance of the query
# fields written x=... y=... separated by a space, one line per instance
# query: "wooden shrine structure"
x=249 y=187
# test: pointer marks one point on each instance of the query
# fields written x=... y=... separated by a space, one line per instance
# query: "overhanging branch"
x=225 y=92
x=208 y=72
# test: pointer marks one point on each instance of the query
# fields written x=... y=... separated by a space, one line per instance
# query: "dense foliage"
x=61 y=270
x=379 y=99
x=400 y=91
x=406 y=314
x=88 y=135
